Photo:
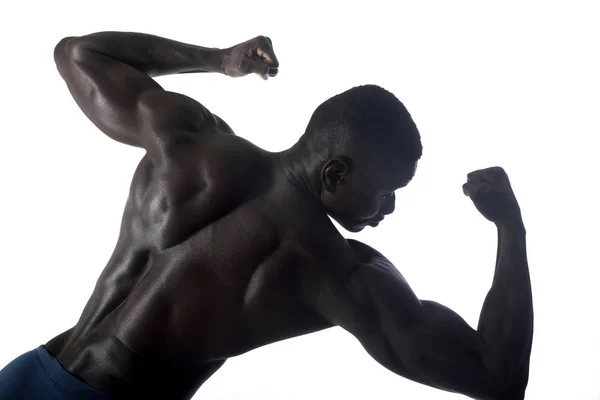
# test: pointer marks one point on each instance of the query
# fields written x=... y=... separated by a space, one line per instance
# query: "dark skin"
x=214 y=258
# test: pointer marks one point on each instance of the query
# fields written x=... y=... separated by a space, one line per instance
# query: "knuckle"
x=498 y=170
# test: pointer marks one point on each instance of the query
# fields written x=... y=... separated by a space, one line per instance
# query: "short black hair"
x=361 y=117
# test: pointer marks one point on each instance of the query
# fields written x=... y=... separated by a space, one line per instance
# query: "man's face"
x=358 y=196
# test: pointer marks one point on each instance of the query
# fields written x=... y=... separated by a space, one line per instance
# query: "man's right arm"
x=110 y=75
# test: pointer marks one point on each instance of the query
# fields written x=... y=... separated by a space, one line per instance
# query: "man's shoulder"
x=219 y=157
x=328 y=253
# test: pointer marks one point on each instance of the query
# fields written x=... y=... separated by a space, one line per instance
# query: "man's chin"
x=355 y=227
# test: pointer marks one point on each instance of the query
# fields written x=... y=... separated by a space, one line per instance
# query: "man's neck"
x=299 y=170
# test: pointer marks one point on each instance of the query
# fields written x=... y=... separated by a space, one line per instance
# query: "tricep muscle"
x=123 y=102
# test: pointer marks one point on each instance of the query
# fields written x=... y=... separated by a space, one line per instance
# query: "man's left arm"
x=429 y=343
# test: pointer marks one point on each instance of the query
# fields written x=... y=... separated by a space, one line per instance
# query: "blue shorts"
x=38 y=375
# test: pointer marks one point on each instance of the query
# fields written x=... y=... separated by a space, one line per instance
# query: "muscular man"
x=225 y=247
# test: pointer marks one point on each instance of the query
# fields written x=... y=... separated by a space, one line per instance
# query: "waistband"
x=63 y=379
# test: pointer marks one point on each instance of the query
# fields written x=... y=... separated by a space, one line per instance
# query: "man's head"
x=363 y=145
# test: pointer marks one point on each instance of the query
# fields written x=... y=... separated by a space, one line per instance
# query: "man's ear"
x=335 y=173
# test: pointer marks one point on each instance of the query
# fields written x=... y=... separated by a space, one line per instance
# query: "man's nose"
x=389 y=205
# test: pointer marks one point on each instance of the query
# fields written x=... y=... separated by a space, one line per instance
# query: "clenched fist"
x=490 y=191
x=256 y=56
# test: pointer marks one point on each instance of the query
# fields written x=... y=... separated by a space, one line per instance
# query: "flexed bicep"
x=421 y=340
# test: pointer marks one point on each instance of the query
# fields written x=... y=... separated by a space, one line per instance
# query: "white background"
x=514 y=84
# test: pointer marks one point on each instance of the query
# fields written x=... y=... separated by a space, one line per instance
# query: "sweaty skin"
x=215 y=259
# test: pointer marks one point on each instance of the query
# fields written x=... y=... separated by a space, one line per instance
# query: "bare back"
x=212 y=269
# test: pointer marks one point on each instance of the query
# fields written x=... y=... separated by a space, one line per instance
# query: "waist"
x=109 y=365
x=63 y=379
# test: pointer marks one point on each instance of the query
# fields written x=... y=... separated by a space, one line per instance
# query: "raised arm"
x=110 y=75
x=429 y=343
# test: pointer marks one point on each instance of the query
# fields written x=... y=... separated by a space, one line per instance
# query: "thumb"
x=471 y=189
x=257 y=67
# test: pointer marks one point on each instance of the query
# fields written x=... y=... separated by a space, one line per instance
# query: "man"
x=225 y=247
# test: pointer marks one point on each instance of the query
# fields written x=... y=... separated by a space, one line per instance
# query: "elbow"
x=506 y=394
x=67 y=50
x=508 y=369
x=512 y=388
x=61 y=50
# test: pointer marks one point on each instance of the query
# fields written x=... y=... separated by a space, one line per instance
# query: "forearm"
x=151 y=54
x=506 y=321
